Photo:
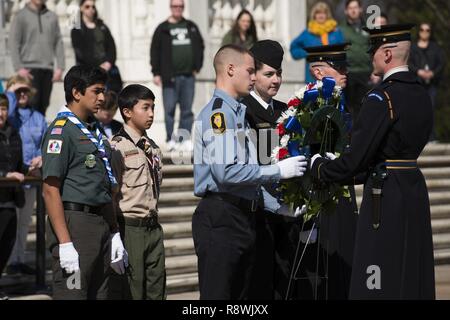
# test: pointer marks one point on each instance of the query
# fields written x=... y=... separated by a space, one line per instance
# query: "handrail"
x=40 y=224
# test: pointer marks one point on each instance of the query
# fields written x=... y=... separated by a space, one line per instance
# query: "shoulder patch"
x=218 y=123
x=54 y=146
x=217 y=104
x=375 y=95
x=117 y=138
x=61 y=123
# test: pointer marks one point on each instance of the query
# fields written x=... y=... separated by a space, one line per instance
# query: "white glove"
x=314 y=158
x=287 y=212
x=68 y=257
x=119 y=256
x=331 y=156
x=292 y=167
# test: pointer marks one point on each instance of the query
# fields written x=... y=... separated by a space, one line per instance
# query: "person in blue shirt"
x=229 y=180
x=322 y=30
x=31 y=125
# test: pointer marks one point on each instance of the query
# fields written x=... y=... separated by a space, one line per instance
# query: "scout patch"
x=61 y=123
x=57 y=131
x=90 y=161
x=218 y=123
x=54 y=146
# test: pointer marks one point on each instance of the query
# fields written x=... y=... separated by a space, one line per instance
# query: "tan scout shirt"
x=139 y=192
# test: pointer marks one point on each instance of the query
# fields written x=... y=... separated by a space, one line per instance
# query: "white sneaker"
x=172 y=145
x=187 y=146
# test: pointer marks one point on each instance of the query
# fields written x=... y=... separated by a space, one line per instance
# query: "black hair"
x=110 y=101
x=4 y=100
x=82 y=77
x=96 y=18
x=251 y=32
x=347 y=3
x=131 y=95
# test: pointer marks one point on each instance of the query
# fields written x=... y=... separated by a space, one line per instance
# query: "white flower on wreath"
x=291 y=112
x=285 y=140
x=274 y=155
x=300 y=94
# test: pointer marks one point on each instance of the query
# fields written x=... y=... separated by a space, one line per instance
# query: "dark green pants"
x=91 y=238
x=146 y=274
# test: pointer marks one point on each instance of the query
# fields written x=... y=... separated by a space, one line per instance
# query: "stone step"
x=182 y=283
x=440 y=225
x=177 y=184
x=176 y=214
x=440 y=211
x=441 y=241
x=179 y=247
x=183 y=198
x=177 y=230
x=181 y=264
x=442 y=256
x=438 y=184
x=436 y=173
x=178 y=171
x=434 y=161
x=436 y=149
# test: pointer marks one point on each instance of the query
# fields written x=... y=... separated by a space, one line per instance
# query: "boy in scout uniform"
x=137 y=164
x=83 y=237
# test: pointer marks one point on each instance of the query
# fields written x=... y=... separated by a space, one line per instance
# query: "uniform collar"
x=264 y=104
x=233 y=103
x=134 y=135
x=395 y=70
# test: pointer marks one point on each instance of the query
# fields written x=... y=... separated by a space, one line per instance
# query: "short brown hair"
x=4 y=102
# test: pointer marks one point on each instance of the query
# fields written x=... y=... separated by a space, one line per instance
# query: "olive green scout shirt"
x=70 y=156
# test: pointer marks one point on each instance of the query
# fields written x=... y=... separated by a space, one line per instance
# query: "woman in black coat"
x=94 y=45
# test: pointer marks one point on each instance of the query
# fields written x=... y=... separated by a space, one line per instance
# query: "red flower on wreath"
x=281 y=129
x=283 y=153
x=294 y=102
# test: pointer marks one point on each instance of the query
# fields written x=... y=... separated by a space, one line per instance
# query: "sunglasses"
x=21 y=91
x=177 y=7
x=425 y=30
x=89 y=7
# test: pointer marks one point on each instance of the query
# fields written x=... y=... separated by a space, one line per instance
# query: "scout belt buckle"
x=90 y=161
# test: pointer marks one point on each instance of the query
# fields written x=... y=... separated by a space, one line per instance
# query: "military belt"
x=72 y=206
x=150 y=221
x=244 y=204
x=401 y=164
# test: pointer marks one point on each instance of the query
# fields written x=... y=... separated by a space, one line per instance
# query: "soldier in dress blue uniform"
x=393 y=256
x=228 y=179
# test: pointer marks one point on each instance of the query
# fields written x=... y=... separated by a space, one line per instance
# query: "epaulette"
x=217 y=104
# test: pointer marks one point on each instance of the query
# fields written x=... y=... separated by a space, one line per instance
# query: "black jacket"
x=83 y=45
x=433 y=56
x=161 y=50
x=10 y=159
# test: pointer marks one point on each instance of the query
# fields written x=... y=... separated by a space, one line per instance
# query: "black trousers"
x=91 y=238
x=42 y=82
x=357 y=87
x=8 y=227
x=224 y=237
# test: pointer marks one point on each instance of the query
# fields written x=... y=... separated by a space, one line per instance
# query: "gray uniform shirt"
x=225 y=156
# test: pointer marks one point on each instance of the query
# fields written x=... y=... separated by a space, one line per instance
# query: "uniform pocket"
x=135 y=174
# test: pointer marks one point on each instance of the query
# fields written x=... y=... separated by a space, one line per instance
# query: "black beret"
x=268 y=52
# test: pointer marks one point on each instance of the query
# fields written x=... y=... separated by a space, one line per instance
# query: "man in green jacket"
x=360 y=65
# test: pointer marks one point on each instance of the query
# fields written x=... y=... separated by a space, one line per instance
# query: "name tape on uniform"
x=54 y=146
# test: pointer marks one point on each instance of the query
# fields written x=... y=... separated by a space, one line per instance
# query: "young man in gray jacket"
x=35 y=40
